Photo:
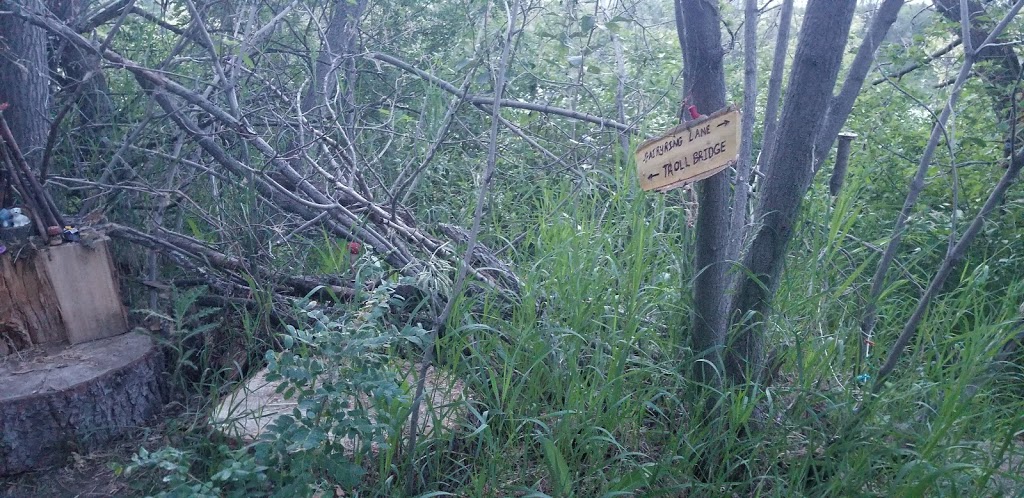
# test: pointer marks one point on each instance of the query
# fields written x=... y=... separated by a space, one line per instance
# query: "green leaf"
x=587 y=24
x=559 y=469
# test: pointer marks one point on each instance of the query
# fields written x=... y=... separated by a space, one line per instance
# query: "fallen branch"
x=314 y=194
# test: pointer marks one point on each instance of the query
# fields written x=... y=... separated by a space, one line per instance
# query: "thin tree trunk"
x=815 y=68
x=917 y=184
x=511 y=32
x=842 y=104
x=948 y=264
x=337 y=50
x=86 y=81
x=704 y=82
x=620 y=93
x=741 y=185
x=771 y=110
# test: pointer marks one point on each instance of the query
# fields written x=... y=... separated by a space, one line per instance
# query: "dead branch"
x=179 y=245
x=350 y=214
x=953 y=257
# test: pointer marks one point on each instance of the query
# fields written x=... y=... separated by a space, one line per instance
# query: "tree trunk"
x=741 y=184
x=771 y=111
x=704 y=83
x=28 y=305
x=86 y=85
x=815 y=68
x=338 y=46
x=24 y=82
x=842 y=104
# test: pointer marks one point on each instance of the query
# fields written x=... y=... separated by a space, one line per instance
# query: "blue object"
x=71 y=234
x=863 y=378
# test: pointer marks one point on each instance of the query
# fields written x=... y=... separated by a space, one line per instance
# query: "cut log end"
x=56 y=400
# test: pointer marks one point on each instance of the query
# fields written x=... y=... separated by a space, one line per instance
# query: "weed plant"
x=581 y=388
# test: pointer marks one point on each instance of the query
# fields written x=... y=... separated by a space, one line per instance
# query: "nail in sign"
x=689 y=152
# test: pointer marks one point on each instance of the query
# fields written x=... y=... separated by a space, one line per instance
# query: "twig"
x=43 y=203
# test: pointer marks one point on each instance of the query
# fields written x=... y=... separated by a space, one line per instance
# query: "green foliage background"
x=580 y=388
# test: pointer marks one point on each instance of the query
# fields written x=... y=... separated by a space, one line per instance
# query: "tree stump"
x=55 y=400
x=70 y=378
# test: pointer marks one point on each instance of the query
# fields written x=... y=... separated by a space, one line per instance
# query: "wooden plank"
x=83 y=280
x=689 y=152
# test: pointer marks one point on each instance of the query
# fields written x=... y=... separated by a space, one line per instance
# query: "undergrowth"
x=580 y=389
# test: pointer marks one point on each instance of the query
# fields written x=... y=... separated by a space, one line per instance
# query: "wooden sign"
x=689 y=152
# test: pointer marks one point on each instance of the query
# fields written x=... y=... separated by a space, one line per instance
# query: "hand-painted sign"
x=689 y=152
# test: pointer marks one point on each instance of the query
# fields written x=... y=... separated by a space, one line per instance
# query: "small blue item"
x=71 y=234
x=863 y=378
x=3 y=248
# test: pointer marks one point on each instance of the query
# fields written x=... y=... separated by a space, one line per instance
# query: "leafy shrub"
x=333 y=367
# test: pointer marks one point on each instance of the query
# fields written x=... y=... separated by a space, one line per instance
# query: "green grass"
x=587 y=396
x=580 y=389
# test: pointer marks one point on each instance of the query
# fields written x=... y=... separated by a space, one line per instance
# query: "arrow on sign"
x=723 y=123
x=652 y=175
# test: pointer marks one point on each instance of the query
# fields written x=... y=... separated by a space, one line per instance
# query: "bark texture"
x=771 y=111
x=336 y=52
x=704 y=83
x=60 y=294
x=815 y=68
x=29 y=313
x=76 y=399
x=842 y=104
x=24 y=83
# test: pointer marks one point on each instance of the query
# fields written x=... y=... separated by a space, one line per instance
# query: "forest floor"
x=87 y=476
